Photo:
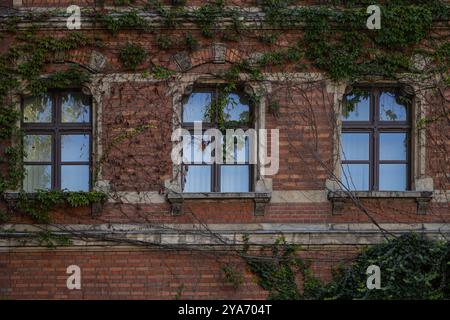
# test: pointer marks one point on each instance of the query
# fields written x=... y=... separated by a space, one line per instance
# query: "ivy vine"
x=412 y=267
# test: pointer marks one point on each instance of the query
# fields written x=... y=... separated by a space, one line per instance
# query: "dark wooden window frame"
x=56 y=128
x=374 y=127
x=215 y=91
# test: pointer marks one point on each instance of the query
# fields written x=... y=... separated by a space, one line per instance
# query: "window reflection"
x=237 y=150
x=355 y=146
x=197 y=178
x=356 y=108
x=237 y=109
x=75 y=177
x=37 y=109
x=196 y=107
x=37 y=147
x=234 y=178
x=218 y=109
x=75 y=147
x=390 y=108
x=393 y=177
x=197 y=149
x=57 y=151
x=355 y=176
x=375 y=139
x=75 y=107
x=37 y=177
x=393 y=146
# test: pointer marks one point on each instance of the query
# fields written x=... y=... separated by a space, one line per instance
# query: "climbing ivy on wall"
x=21 y=67
x=411 y=267
x=333 y=38
x=132 y=55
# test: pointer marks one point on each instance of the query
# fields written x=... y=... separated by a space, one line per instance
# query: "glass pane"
x=390 y=108
x=196 y=107
x=355 y=176
x=234 y=178
x=37 y=147
x=393 y=146
x=197 y=179
x=237 y=109
x=37 y=109
x=75 y=107
x=393 y=177
x=75 y=147
x=75 y=177
x=198 y=150
x=37 y=177
x=355 y=146
x=356 y=108
x=238 y=150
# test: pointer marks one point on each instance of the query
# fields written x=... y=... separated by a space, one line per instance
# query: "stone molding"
x=190 y=235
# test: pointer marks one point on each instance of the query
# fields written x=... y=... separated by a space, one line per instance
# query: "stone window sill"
x=260 y=199
x=339 y=198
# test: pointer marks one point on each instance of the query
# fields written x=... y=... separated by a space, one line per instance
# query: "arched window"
x=375 y=140
x=57 y=141
x=202 y=169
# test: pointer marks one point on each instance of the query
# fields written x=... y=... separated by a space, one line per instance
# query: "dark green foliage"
x=281 y=57
x=275 y=269
x=164 y=42
x=232 y=276
x=128 y=20
x=73 y=77
x=274 y=107
x=191 y=42
x=160 y=72
x=11 y=155
x=268 y=38
x=337 y=41
x=123 y=2
x=8 y=117
x=51 y=239
x=403 y=26
x=132 y=55
x=207 y=15
x=38 y=205
x=411 y=267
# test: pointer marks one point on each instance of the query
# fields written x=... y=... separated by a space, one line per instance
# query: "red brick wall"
x=143 y=163
x=138 y=274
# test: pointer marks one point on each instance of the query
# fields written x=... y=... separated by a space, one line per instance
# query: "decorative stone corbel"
x=338 y=205
x=260 y=205
x=423 y=202
x=176 y=206
x=176 y=203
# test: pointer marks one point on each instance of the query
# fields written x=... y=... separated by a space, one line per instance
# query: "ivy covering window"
x=375 y=144
x=215 y=108
x=57 y=141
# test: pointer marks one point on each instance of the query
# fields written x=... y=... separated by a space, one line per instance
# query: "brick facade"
x=125 y=99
